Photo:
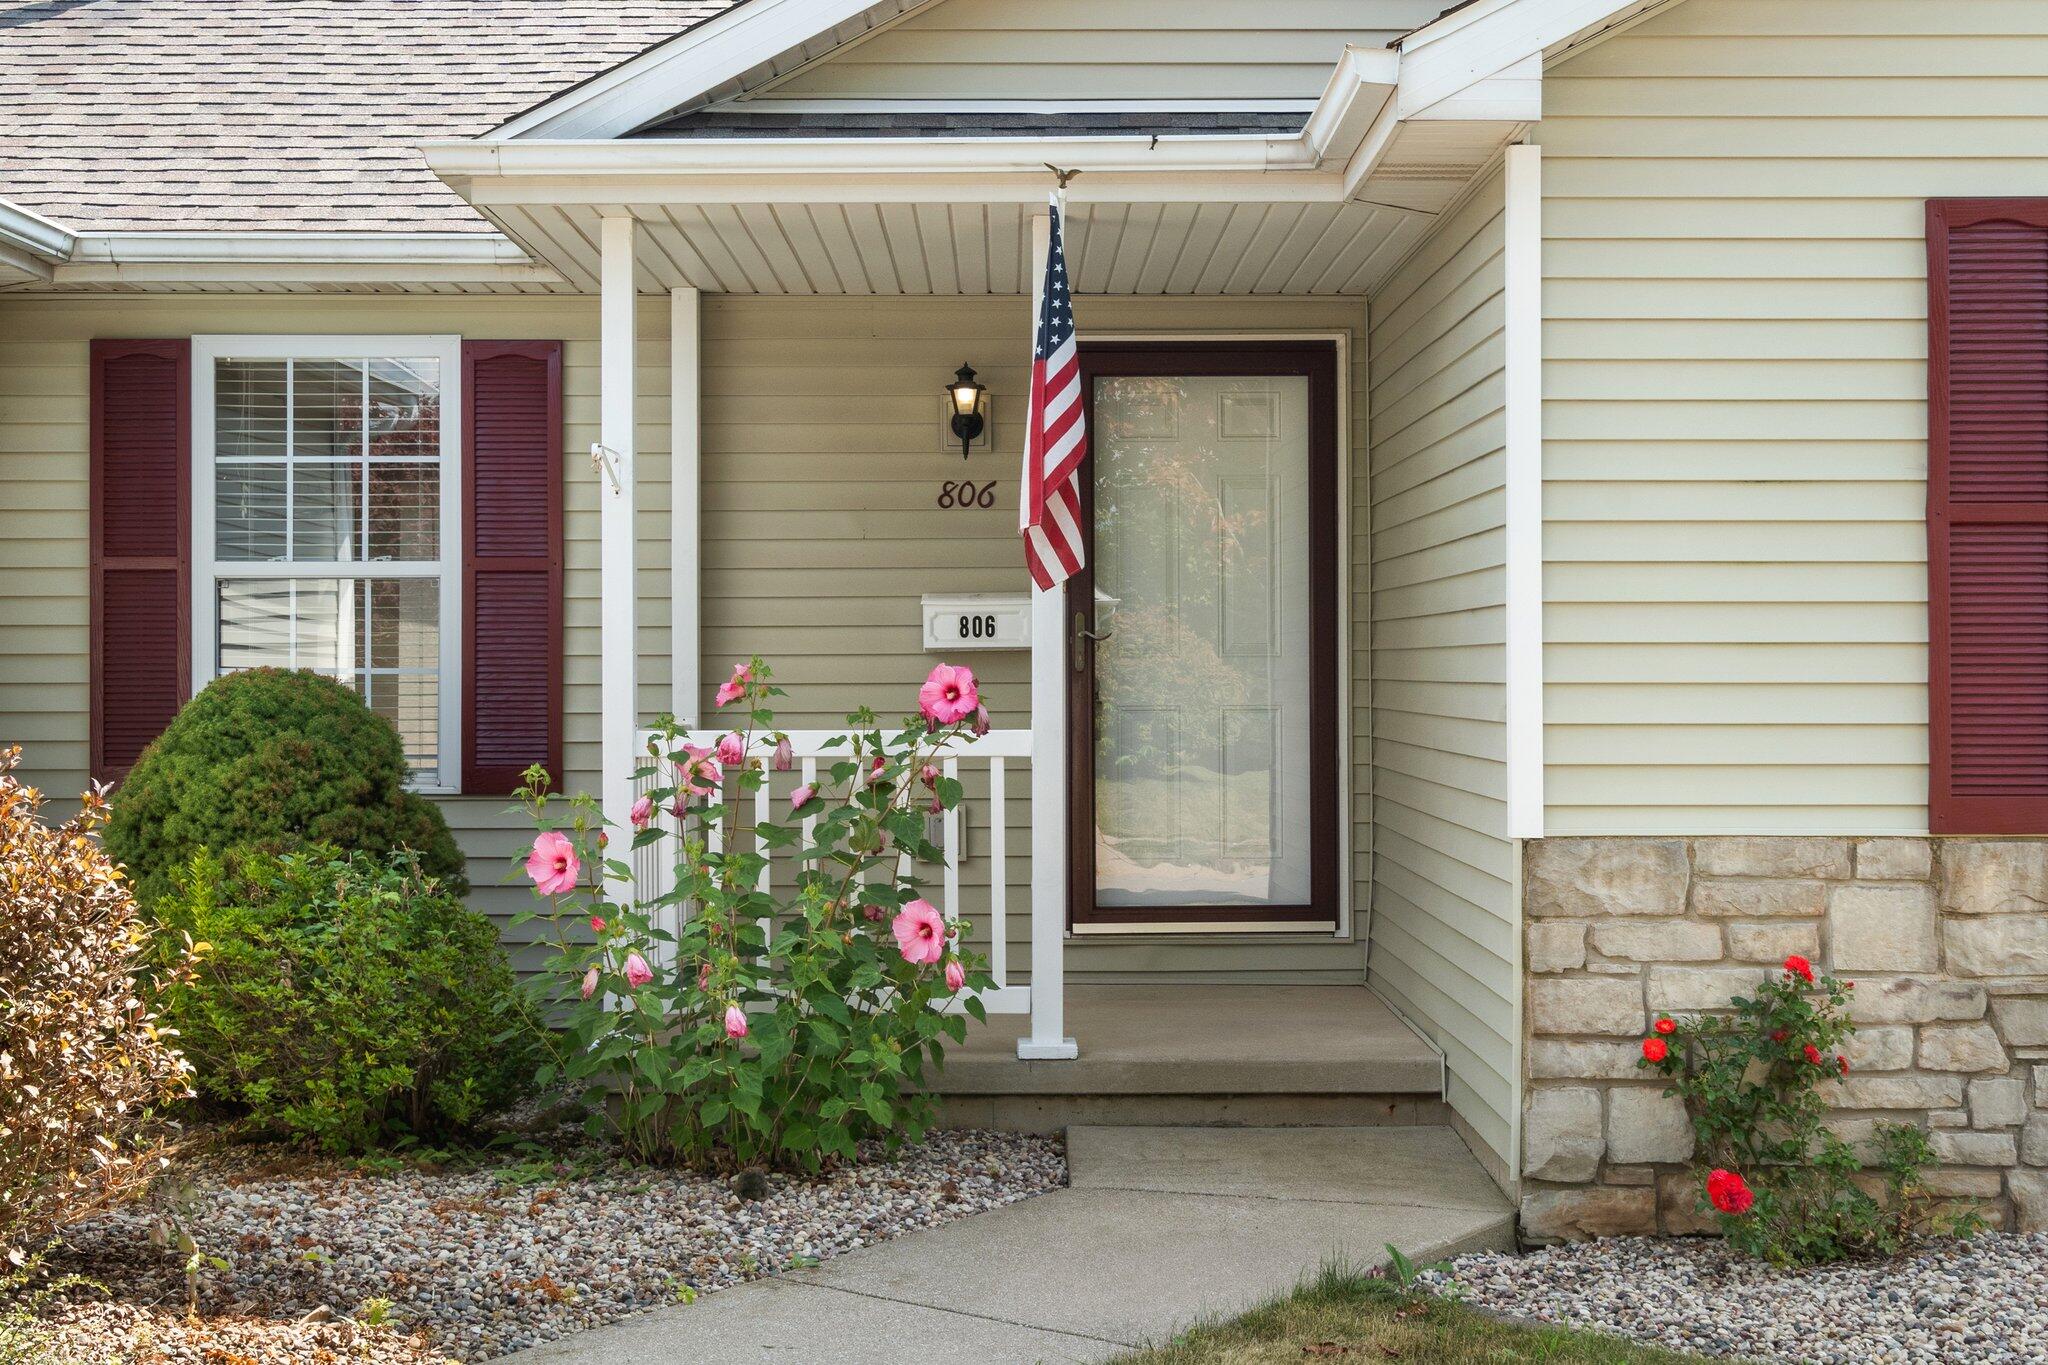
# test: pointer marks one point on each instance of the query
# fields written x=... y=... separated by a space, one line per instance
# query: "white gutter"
x=27 y=230
x=418 y=249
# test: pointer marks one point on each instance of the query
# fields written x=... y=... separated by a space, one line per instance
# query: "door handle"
x=1081 y=632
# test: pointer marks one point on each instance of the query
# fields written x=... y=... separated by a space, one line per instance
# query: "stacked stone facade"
x=1946 y=940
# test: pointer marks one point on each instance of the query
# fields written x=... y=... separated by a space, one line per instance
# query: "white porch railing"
x=654 y=864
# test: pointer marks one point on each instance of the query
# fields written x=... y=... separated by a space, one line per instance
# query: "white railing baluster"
x=760 y=819
x=949 y=843
x=998 y=876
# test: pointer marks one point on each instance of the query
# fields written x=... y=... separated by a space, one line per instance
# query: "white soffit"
x=799 y=248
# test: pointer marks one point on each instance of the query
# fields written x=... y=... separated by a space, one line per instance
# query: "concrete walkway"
x=1160 y=1228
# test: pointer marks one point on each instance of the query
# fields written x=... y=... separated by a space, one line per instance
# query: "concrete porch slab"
x=1198 y=1039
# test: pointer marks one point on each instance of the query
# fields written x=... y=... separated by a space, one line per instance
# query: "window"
x=325 y=527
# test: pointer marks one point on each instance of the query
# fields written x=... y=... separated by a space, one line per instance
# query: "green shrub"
x=343 y=999
x=273 y=758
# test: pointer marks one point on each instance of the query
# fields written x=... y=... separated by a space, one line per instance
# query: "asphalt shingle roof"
x=198 y=115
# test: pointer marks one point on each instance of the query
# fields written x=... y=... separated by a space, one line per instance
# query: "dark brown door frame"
x=1317 y=361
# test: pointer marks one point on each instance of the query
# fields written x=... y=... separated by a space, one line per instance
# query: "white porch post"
x=1047 y=1038
x=686 y=655
x=619 y=648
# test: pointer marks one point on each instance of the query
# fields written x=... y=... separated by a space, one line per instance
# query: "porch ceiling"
x=1316 y=248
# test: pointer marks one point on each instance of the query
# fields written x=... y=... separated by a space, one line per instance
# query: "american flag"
x=1056 y=436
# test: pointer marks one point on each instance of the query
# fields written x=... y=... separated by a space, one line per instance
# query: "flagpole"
x=1047 y=1038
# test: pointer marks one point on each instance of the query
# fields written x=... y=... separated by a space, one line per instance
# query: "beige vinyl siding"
x=44 y=382
x=822 y=463
x=1092 y=49
x=1734 y=383
x=1444 y=881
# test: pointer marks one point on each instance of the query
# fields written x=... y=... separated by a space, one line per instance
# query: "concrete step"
x=1201 y=1054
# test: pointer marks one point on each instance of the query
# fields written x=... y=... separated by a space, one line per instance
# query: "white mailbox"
x=977 y=620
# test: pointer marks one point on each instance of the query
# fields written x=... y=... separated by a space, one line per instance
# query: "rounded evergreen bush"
x=343 y=1000
x=273 y=758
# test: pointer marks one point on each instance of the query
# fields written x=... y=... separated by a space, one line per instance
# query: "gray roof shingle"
x=198 y=115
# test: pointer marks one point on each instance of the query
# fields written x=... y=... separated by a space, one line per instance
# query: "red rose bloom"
x=1667 y=1026
x=1842 y=1063
x=1778 y=1035
x=1729 y=1192
x=1654 y=1050
x=1813 y=1055
x=1798 y=966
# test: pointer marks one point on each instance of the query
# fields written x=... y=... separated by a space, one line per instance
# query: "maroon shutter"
x=140 y=546
x=1987 y=515
x=512 y=562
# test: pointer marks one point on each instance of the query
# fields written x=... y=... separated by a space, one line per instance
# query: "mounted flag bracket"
x=604 y=460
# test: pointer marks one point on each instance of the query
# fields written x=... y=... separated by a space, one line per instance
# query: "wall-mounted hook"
x=604 y=460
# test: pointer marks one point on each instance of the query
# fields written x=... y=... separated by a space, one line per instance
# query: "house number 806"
x=967 y=493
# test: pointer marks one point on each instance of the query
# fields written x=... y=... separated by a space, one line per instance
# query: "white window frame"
x=207 y=351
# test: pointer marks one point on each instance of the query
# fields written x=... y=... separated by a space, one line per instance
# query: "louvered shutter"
x=512 y=562
x=1987 y=515
x=140 y=546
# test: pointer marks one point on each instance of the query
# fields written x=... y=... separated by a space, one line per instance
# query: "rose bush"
x=728 y=1022
x=1782 y=1185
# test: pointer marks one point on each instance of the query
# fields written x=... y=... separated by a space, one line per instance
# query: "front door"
x=1203 y=643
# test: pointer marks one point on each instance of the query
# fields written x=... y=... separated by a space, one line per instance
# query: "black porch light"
x=967 y=394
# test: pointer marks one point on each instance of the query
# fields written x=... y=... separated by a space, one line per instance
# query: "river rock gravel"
x=1978 y=1302
x=481 y=1261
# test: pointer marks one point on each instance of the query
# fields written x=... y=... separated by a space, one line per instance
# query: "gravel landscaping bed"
x=1957 y=1302
x=479 y=1262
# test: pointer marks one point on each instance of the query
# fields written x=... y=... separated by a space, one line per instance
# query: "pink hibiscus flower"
x=949 y=695
x=642 y=814
x=553 y=864
x=589 y=983
x=698 y=772
x=638 y=973
x=736 y=687
x=732 y=750
x=956 y=975
x=785 y=756
x=801 y=797
x=920 y=932
x=735 y=1022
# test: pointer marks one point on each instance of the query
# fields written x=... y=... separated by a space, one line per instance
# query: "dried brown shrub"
x=82 y=1061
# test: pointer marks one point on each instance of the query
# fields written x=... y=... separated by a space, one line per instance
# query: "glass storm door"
x=1204 y=639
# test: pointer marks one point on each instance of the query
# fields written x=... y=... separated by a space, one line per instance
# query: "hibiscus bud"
x=732 y=750
x=981 y=726
x=642 y=813
x=872 y=912
x=785 y=755
x=956 y=976
x=937 y=807
x=801 y=797
x=638 y=973
x=735 y=1022
x=929 y=774
x=597 y=924
x=589 y=983
x=704 y=977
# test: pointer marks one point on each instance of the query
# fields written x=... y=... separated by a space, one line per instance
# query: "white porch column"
x=1524 y=475
x=1047 y=1038
x=618 y=650
x=685 y=375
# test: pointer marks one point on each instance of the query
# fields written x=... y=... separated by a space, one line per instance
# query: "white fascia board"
x=363 y=248
x=28 y=231
x=678 y=70
x=311 y=257
x=1486 y=38
x=833 y=105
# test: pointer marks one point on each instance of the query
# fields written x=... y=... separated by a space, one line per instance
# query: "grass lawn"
x=1346 y=1316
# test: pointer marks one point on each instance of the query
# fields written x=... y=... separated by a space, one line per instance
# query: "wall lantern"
x=970 y=397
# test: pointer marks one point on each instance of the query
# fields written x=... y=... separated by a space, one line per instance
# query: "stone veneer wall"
x=1946 y=940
